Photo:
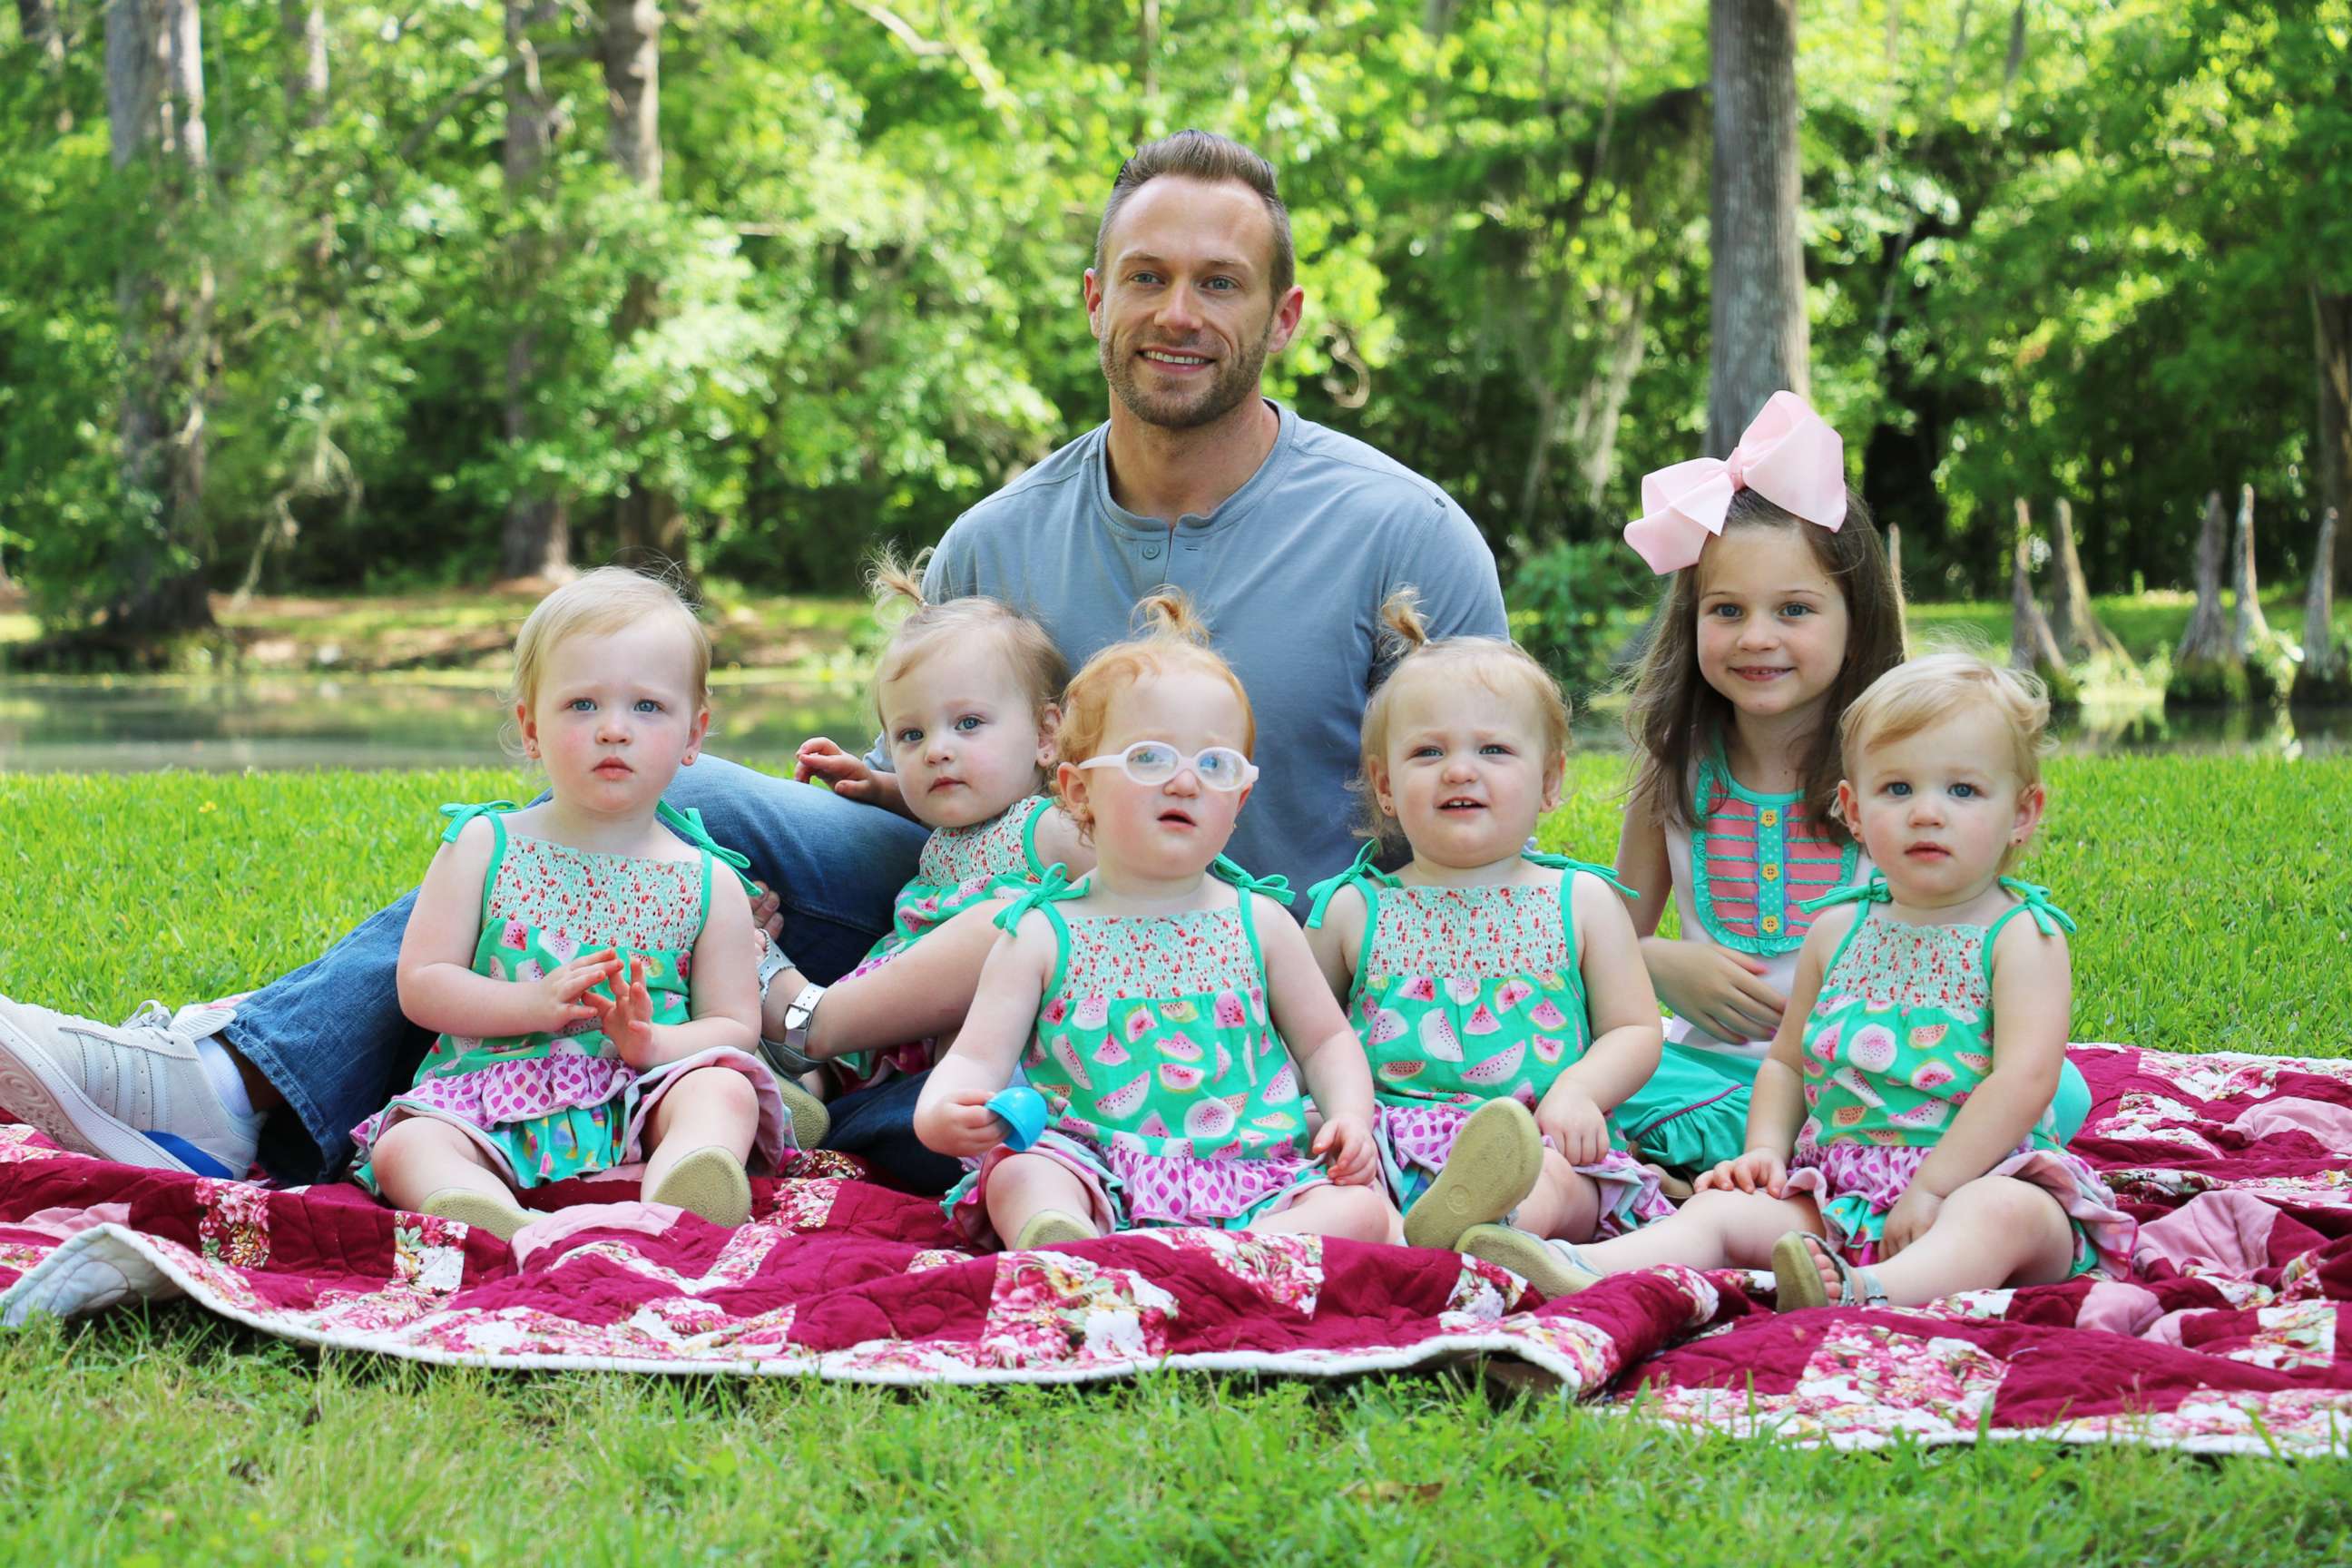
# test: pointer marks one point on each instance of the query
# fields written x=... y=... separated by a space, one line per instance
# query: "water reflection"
x=129 y=726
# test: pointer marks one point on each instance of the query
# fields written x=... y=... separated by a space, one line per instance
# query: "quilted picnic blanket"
x=2231 y=1336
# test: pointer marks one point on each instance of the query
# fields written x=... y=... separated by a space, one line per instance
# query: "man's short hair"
x=1204 y=155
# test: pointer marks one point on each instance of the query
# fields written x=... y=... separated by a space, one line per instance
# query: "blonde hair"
x=1499 y=665
x=599 y=603
x=1911 y=697
x=1174 y=638
x=923 y=626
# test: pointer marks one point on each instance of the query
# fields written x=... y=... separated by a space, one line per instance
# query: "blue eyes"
x=1901 y=790
x=1733 y=612
x=968 y=723
x=588 y=705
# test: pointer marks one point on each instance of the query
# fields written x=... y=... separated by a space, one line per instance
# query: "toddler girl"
x=1781 y=610
x=1144 y=1001
x=1903 y=1113
x=1498 y=993
x=966 y=690
x=588 y=967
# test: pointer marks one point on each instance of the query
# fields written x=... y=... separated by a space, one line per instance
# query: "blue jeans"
x=331 y=1037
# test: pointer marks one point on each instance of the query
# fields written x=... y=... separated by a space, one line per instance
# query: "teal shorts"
x=1694 y=1110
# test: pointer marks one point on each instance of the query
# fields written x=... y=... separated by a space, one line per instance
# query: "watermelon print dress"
x=1901 y=1035
x=545 y=1107
x=958 y=867
x=1174 y=1100
x=1467 y=995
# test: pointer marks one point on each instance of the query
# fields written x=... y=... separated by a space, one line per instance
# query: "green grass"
x=2216 y=907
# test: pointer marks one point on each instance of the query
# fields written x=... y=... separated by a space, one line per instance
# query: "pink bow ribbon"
x=1789 y=456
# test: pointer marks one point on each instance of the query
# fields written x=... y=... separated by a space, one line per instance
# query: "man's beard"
x=1236 y=380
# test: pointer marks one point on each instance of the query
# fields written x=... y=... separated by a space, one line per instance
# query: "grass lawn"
x=2216 y=907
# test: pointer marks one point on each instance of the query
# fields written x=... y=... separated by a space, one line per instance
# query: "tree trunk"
x=2331 y=317
x=2252 y=632
x=155 y=109
x=1757 y=309
x=2323 y=671
x=536 y=539
x=37 y=20
x=2030 y=646
x=2072 y=621
x=2206 y=636
x=646 y=519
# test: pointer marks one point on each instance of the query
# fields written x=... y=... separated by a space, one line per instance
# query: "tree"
x=2325 y=672
x=2208 y=667
x=2030 y=646
x=2073 y=622
x=1758 y=284
x=536 y=540
x=646 y=518
x=156 y=107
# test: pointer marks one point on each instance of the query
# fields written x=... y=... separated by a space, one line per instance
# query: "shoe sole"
x=1796 y=1276
x=32 y=1090
x=478 y=1211
x=1490 y=1170
x=1528 y=1258
x=811 y=1120
x=709 y=1183
x=1052 y=1228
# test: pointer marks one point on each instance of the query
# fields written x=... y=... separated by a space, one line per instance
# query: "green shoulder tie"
x=2036 y=902
x=460 y=814
x=1052 y=887
x=1362 y=869
x=1875 y=891
x=1565 y=863
x=687 y=824
x=1277 y=887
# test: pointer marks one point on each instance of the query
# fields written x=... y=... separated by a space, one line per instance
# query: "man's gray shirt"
x=1290 y=574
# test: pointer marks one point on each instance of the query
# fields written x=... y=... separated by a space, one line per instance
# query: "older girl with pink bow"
x=1779 y=609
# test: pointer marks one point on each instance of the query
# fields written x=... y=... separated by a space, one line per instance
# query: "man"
x=1287 y=535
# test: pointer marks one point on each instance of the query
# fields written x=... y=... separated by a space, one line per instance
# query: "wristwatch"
x=790 y=1056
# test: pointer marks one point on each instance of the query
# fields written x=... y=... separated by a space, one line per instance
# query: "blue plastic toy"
x=1022 y=1112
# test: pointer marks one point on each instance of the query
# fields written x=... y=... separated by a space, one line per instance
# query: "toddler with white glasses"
x=1149 y=1002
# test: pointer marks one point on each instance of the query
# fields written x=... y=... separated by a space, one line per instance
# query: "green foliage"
x=2062 y=249
x=1569 y=606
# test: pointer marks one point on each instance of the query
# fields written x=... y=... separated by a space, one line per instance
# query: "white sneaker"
x=137 y=1093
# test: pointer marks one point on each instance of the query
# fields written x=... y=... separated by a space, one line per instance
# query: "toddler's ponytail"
x=891 y=583
x=1167 y=613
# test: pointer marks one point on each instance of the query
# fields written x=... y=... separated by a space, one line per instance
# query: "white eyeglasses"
x=1156 y=762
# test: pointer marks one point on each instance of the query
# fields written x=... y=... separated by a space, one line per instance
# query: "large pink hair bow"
x=1789 y=456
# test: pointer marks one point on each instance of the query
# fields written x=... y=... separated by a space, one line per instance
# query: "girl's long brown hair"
x=1675 y=716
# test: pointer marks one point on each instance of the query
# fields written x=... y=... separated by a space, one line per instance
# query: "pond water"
x=131 y=725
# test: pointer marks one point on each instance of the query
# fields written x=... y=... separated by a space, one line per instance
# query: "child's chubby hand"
x=1759 y=1170
x=564 y=991
x=1574 y=1123
x=628 y=1020
x=959 y=1124
x=849 y=775
x=1346 y=1142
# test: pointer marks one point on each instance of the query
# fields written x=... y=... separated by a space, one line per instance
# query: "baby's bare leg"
x=708 y=1107
x=1994 y=1231
x=420 y=1156
x=1716 y=1229
x=1019 y=1185
x=1352 y=1214
x=1566 y=1202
